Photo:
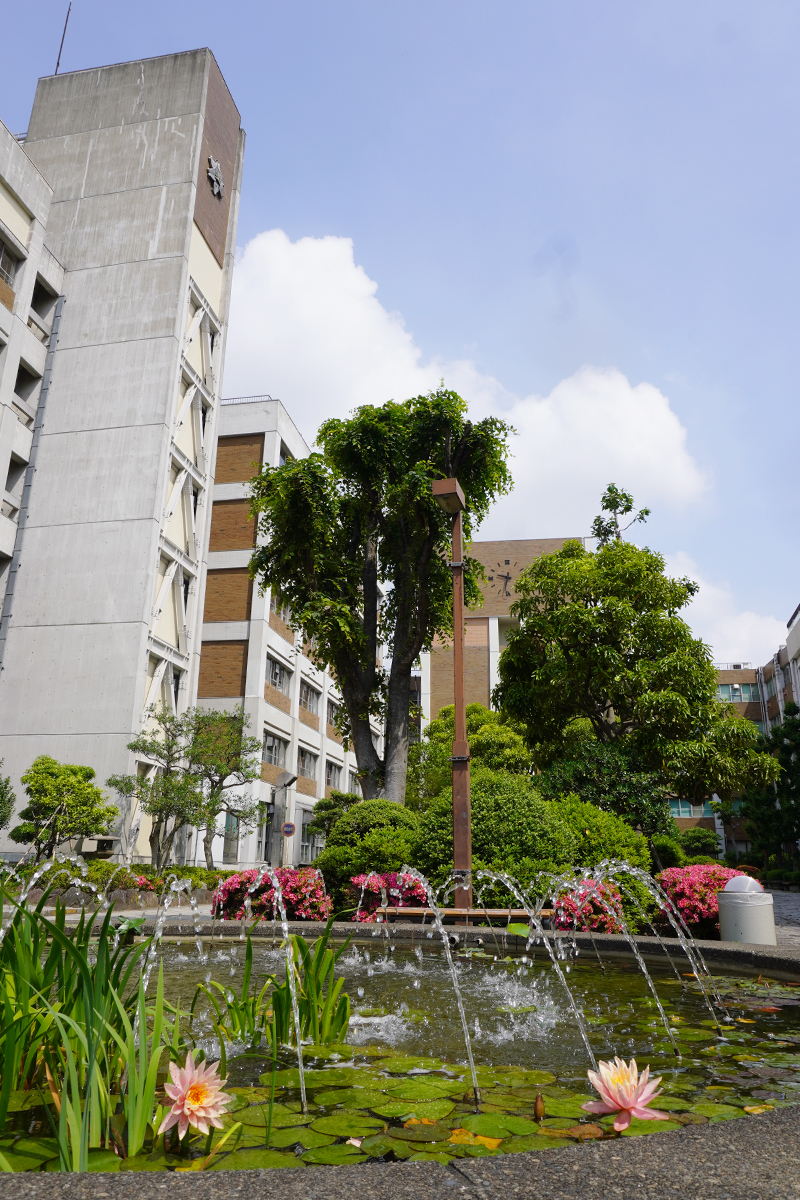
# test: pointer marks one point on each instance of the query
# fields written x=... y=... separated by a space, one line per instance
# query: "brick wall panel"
x=308 y=787
x=276 y=698
x=232 y=526
x=270 y=773
x=476 y=676
x=281 y=628
x=223 y=667
x=238 y=458
x=309 y=719
x=229 y=595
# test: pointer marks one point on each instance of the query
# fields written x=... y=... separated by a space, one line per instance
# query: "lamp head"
x=448 y=495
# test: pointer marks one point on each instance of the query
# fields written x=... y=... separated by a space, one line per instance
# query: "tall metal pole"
x=462 y=821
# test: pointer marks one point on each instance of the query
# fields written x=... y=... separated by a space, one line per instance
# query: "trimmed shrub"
x=375 y=835
x=303 y=895
x=669 y=851
x=359 y=820
x=699 y=840
x=600 y=835
x=699 y=860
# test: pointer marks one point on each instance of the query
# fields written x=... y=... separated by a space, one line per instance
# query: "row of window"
x=738 y=693
x=274 y=752
x=279 y=677
x=682 y=808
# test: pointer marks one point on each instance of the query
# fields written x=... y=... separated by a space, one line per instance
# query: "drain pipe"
x=22 y=518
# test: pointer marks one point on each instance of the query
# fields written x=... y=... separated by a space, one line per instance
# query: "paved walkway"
x=786 y=906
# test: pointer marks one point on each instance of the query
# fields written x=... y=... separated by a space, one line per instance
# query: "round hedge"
x=362 y=818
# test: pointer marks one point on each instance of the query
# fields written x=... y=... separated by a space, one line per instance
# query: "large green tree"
x=63 y=803
x=600 y=641
x=772 y=814
x=354 y=543
x=224 y=758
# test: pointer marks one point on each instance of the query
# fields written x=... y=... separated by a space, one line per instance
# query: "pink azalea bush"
x=584 y=908
x=303 y=895
x=143 y=883
x=402 y=891
x=693 y=890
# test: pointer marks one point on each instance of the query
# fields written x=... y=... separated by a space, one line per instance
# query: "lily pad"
x=347 y=1124
x=99 y=1160
x=350 y=1098
x=716 y=1112
x=254 y=1160
x=434 y=1110
x=672 y=1103
x=258 y=1115
x=26 y=1162
x=151 y=1162
x=517 y=1077
x=423 y=1089
x=558 y=1107
x=400 y=1065
x=309 y=1139
x=423 y=1133
x=38 y=1147
x=380 y=1144
x=637 y=1127
x=334 y=1156
x=517 y=1145
x=420 y=1156
x=498 y=1126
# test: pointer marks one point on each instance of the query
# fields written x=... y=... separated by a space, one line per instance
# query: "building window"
x=683 y=808
x=333 y=774
x=277 y=606
x=333 y=712
x=309 y=697
x=278 y=676
x=306 y=763
x=771 y=687
x=230 y=846
x=355 y=786
x=274 y=750
x=8 y=266
x=284 y=455
x=739 y=693
x=310 y=843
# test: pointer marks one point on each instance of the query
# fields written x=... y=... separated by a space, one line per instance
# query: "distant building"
x=252 y=656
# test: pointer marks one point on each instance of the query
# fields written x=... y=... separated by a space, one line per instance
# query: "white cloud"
x=734 y=635
x=306 y=326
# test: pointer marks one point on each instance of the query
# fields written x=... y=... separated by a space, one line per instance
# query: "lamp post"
x=449 y=496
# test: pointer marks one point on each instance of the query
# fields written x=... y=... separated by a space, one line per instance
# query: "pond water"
x=400 y=1086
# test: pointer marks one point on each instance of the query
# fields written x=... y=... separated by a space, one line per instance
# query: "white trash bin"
x=745 y=912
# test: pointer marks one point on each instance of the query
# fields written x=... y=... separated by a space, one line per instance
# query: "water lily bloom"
x=625 y=1092
x=197 y=1097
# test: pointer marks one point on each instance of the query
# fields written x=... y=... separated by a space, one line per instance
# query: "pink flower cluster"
x=303 y=891
x=402 y=891
x=585 y=908
x=693 y=890
x=143 y=883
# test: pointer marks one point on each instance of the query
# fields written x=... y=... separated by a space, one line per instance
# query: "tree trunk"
x=208 y=843
x=656 y=858
x=396 y=735
x=155 y=843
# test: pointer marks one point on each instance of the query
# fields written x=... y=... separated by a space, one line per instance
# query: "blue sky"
x=569 y=209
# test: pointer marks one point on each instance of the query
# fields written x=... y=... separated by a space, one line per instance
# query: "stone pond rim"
x=755 y=1158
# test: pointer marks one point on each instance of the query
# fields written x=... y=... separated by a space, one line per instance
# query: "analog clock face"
x=501 y=576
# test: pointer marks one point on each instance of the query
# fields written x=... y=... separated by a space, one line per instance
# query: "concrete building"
x=252 y=656
x=122 y=199
x=486 y=627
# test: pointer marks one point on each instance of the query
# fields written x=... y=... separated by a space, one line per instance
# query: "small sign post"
x=287 y=829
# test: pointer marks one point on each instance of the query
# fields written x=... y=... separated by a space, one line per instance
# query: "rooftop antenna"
x=64 y=34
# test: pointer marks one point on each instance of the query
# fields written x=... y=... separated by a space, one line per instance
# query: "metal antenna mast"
x=64 y=34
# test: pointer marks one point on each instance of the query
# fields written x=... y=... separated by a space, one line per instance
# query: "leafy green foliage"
x=699 y=840
x=329 y=809
x=619 y=504
x=63 y=804
x=601 y=835
x=375 y=835
x=494 y=742
x=610 y=778
x=222 y=756
x=600 y=640
x=7 y=798
x=772 y=814
x=669 y=851
x=362 y=818
x=338 y=524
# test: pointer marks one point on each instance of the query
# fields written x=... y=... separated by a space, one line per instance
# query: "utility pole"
x=449 y=496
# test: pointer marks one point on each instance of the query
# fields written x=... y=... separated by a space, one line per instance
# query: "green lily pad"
x=557 y=1107
x=423 y=1089
x=309 y=1139
x=434 y=1110
x=420 y=1156
x=258 y=1115
x=671 y=1103
x=498 y=1126
x=323 y=1078
x=38 y=1147
x=99 y=1160
x=518 y=930
x=380 y=1144
x=151 y=1162
x=350 y=1098
x=480 y=1151
x=334 y=1156
x=25 y=1162
x=347 y=1124
x=22 y=1101
x=422 y=1133
x=691 y=1035
x=558 y=1123
x=398 y=1066
x=254 y=1160
x=507 y=1100
x=517 y=1077
x=517 y=1008
x=516 y=1145
x=716 y=1112
x=638 y=1127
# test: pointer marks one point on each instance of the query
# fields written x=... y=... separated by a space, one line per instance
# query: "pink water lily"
x=625 y=1092
x=197 y=1096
